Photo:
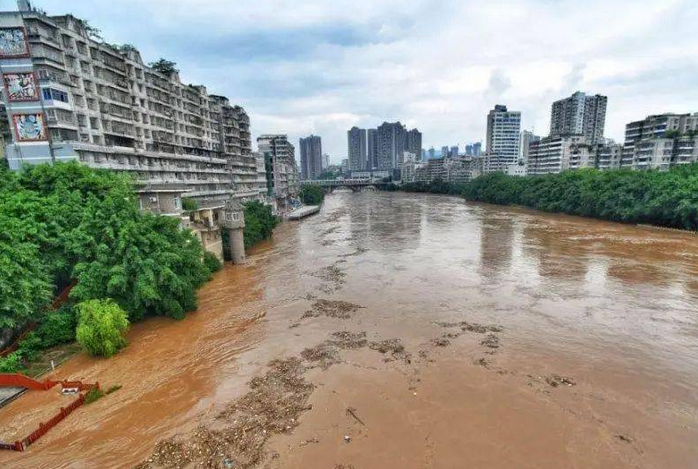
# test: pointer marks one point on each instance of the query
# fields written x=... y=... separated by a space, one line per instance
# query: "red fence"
x=18 y=380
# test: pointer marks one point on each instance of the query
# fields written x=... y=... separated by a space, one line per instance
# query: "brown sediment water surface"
x=429 y=333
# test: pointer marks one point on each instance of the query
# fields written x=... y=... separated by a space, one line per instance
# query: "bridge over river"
x=355 y=185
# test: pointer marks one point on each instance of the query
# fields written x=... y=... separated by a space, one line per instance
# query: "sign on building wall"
x=13 y=42
x=30 y=127
x=21 y=86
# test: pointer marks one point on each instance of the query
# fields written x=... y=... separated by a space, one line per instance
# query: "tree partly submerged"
x=69 y=224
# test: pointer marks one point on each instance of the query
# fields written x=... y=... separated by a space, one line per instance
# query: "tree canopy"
x=663 y=198
x=68 y=223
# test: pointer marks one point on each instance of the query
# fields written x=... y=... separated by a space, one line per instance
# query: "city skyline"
x=233 y=48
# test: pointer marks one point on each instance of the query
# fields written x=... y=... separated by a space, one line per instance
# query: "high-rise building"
x=453 y=152
x=372 y=148
x=445 y=152
x=468 y=149
x=414 y=142
x=356 y=139
x=311 y=157
x=432 y=153
x=70 y=97
x=477 y=149
x=392 y=141
x=282 y=170
x=325 y=161
x=503 y=134
x=579 y=115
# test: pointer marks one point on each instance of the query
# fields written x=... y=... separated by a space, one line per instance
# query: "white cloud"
x=315 y=66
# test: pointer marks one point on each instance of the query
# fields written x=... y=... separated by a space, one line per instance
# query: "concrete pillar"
x=237 y=245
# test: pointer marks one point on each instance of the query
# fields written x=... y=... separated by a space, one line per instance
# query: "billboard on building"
x=21 y=86
x=30 y=127
x=13 y=42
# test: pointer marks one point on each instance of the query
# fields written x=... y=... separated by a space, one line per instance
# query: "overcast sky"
x=322 y=66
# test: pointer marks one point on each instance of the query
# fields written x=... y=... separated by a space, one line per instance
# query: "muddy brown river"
x=470 y=336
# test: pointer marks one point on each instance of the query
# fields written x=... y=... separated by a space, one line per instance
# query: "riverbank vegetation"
x=259 y=222
x=668 y=199
x=312 y=195
x=101 y=327
x=69 y=226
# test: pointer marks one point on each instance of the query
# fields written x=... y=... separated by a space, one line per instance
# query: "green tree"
x=101 y=327
x=312 y=195
x=166 y=67
x=259 y=222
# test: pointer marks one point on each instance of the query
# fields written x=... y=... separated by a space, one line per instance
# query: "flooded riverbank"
x=483 y=336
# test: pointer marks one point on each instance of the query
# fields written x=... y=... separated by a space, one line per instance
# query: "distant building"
x=432 y=153
x=477 y=149
x=661 y=141
x=468 y=149
x=503 y=134
x=609 y=156
x=414 y=142
x=372 y=150
x=392 y=142
x=311 y=157
x=526 y=138
x=325 y=161
x=445 y=152
x=356 y=138
x=345 y=166
x=454 y=151
x=579 y=115
x=557 y=154
x=282 y=170
x=455 y=170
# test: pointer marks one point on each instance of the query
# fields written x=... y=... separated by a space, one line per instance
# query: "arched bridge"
x=355 y=185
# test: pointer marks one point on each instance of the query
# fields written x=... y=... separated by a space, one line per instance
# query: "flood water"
x=594 y=363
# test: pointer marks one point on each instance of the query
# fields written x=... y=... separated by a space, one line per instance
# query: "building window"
x=50 y=94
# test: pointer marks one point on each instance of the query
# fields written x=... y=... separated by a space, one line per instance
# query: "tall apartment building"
x=503 y=134
x=356 y=140
x=392 y=142
x=282 y=170
x=557 y=154
x=69 y=97
x=661 y=141
x=311 y=157
x=414 y=142
x=372 y=148
x=579 y=115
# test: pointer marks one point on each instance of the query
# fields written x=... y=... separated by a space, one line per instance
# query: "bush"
x=93 y=395
x=12 y=363
x=212 y=263
x=57 y=327
x=101 y=327
x=312 y=195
